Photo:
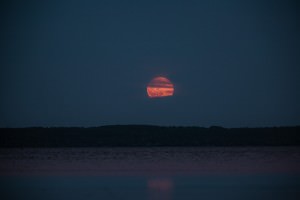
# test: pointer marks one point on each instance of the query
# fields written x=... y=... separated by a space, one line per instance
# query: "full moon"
x=160 y=87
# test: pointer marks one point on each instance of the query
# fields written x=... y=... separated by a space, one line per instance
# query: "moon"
x=160 y=87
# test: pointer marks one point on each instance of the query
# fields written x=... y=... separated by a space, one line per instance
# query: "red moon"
x=160 y=87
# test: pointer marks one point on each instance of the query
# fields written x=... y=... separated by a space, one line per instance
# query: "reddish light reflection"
x=160 y=188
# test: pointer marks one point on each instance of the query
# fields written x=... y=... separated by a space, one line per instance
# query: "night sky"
x=88 y=63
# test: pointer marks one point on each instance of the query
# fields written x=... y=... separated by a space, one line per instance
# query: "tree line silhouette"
x=147 y=136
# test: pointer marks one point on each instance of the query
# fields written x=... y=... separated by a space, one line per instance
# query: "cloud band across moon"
x=160 y=87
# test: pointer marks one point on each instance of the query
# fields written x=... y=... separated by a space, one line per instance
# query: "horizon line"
x=151 y=125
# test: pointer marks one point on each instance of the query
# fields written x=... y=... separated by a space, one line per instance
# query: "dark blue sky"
x=87 y=63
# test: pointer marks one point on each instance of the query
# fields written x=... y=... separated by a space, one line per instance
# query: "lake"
x=167 y=173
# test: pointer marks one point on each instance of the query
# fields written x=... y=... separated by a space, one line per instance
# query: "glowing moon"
x=160 y=87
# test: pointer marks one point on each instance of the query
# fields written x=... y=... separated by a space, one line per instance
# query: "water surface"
x=150 y=173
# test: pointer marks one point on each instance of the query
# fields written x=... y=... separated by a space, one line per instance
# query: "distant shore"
x=147 y=136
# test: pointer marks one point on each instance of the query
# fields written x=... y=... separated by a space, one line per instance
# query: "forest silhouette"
x=148 y=136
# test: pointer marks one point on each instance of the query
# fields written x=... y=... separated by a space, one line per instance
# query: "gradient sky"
x=87 y=63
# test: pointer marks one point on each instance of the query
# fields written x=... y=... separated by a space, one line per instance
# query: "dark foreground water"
x=150 y=173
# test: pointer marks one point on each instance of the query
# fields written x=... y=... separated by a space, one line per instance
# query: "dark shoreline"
x=147 y=136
